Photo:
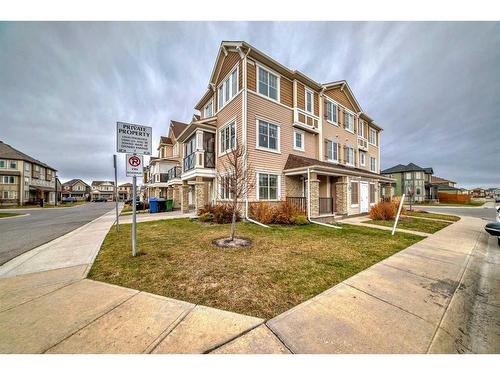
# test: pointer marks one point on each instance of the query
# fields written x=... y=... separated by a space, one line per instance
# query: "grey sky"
x=433 y=87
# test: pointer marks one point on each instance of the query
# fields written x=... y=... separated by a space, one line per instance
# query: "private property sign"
x=133 y=139
x=134 y=165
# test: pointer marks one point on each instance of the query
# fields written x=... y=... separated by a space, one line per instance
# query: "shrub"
x=284 y=212
x=207 y=217
x=262 y=212
x=221 y=213
x=300 y=219
x=385 y=210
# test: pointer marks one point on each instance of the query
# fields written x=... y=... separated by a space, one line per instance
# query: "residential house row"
x=305 y=141
x=24 y=179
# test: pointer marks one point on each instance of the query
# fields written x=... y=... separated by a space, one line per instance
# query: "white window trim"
x=257 y=194
x=327 y=157
x=219 y=189
x=375 y=160
x=353 y=161
x=230 y=88
x=336 y=109
x=218 y=135
x=306 y=90
x=259 y=66
x=364 y=159
x=360 y=121
x=375 y=193
x=350 y=192
x=353 y=121
x=210 y=102
x=369 y=130
x=257 y=119
x=302 y=133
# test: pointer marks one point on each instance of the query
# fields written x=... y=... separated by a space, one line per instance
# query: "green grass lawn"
x=284 y=267
x=420 y=225
x=8 y=214
x=430 y=215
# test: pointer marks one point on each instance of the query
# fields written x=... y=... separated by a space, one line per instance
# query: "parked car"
x=100 y=200
x=69 y=200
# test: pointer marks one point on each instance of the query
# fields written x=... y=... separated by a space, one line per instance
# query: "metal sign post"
x=116 y=194
x=135 y=141
x=134 y=169
x=399 y=213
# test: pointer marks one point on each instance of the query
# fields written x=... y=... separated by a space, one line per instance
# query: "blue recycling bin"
x=153 y=205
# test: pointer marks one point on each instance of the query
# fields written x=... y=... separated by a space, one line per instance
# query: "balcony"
x=189 y=162
x=362 y=144
x=305 y=120
x=163 y=177
x=173 y=173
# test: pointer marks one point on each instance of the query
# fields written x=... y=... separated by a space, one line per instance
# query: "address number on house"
x=133 y=138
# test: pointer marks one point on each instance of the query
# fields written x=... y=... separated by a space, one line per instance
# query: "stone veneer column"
x=170 y=192
x=314 y=193
x=341 y=197
x=176 y=195
x=184 y=197
x=200 y=193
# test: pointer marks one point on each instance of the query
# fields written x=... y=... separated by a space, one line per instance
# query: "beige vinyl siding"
x=232 y=110
x=267 y=160
x=286 y=92
x=301 y=100
x=340 y=97
x=228 y=64
x=252 y=76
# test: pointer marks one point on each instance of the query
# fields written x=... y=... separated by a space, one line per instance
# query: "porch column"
x=341 y=196
x=314 y=194
x=170 y=192
x=184 y=197
x=200 y=193
x=176 y=195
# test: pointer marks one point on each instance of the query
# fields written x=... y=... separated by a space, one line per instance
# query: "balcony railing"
x=189 y=162
x=174 y=172
x=299 y=202
x=325 y=206
x=163 y=177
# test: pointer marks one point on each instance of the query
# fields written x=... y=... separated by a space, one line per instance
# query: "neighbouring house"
x=442 y=181
x=125 y=191
x=75 y=188
x=102 y=189
x=412 y=179
x=23 y=179
x=479 y=193
x=306 y=142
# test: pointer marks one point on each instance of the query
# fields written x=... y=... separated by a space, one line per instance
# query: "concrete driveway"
x=21 y=234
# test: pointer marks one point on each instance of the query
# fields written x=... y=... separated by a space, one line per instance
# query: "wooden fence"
x=453 y=198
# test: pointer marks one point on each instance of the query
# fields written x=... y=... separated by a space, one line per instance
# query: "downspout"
x=309 y=204
x=244 y=136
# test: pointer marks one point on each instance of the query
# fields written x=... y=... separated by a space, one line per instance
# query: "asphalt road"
x=485 y=212
x=21 y=234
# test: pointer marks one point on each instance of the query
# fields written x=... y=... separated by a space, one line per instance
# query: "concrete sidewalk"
x=440 y=295
x=361 y=221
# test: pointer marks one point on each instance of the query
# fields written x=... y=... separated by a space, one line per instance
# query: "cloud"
x=433 y=87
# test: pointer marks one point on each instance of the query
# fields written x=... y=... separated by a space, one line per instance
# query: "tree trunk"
x=233 y=222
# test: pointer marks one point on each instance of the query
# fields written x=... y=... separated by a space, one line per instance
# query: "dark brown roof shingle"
x=9 y=152
x=177 y=127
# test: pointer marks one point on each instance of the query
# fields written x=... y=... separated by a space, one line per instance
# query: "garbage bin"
x=41 y=202
x=170 y=204
x=153 y=205
x=161 y=205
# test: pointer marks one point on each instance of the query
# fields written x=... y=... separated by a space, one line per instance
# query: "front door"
x=363 y=197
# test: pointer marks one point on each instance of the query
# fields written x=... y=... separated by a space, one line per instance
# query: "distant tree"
x=235 y=180
x=410 y=192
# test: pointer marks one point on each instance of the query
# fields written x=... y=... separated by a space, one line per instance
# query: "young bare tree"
x=235 y=179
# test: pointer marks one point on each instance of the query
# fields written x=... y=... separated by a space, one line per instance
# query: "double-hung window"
x=332 y=151
x=8 y=179
x=349 y=155
x=225 y=187
x=298 y=140
x=228 y=137
x=268 y=186
x=309 y=101
x=373 y=164
x=372 y=193
x=268 y=84
x=209 y=109
x=361 y=128
x=331 y=112
x=362 y=158
x=373 y=136
x=354 y=192
x=349 y=121
x=268 y=135
x=227 y=89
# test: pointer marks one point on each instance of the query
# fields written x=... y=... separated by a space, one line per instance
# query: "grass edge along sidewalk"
x=285 y=265
x=413 y=223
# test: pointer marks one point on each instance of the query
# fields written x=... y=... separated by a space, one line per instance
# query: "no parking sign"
x=134 y=165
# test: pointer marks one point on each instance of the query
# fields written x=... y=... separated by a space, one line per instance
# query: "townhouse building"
x=75 y=188
x=102 y=190
x=412 y=179
x=306 y=142
x=24 y=179
x=125 y=191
